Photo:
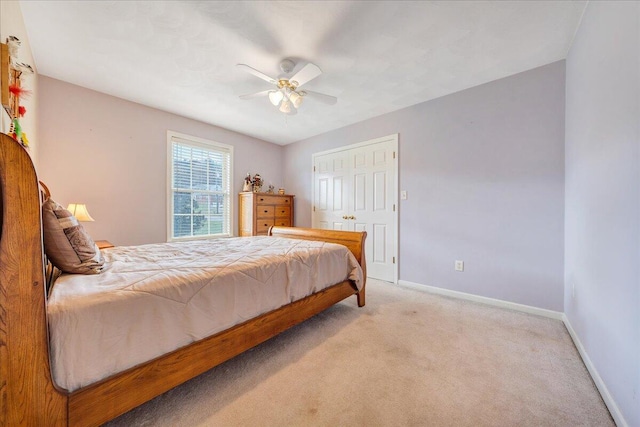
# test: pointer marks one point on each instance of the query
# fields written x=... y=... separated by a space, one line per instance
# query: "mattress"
x=153 y=299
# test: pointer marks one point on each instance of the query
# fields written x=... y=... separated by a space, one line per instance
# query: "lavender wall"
x=484 y=171
x=602 y=225
x=111 y=154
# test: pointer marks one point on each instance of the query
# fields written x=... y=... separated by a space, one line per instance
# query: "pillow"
x=66 y=243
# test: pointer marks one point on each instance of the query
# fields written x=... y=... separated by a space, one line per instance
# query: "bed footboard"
x=353 y=240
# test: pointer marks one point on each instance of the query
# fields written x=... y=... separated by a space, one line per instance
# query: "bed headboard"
x=27 y=395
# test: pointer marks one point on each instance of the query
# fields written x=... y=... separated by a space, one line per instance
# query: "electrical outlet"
x=403 y=195
x=459 y=265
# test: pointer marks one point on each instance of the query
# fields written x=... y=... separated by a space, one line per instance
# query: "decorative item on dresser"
x=258 y=212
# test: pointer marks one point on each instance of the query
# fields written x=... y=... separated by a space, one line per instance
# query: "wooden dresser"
x=259 y=211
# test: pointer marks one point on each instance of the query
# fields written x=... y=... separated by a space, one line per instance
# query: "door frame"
x=393 y=138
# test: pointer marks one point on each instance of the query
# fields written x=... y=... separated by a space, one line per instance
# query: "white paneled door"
x=355 y=188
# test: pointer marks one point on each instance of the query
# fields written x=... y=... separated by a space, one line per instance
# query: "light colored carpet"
x=409 y=358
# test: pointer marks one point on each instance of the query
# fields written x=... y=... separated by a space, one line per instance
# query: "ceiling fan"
x=287 y=95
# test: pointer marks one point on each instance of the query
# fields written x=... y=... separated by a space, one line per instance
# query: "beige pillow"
x=66 y=243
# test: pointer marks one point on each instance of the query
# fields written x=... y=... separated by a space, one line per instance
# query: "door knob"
x=352 y=217
x=345 y=217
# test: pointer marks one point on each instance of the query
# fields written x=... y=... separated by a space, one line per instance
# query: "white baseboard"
x=602 y=388
x=484 y=300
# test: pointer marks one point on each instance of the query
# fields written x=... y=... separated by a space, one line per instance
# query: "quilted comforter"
x=153 y=299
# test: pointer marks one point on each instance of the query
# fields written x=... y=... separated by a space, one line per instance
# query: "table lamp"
x=79 y=210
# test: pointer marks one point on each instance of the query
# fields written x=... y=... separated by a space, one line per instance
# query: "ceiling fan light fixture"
x=295 y=98
x=275 y=97
x=285 y=107
x=287 y=96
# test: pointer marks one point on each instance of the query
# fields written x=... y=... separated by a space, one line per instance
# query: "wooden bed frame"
x=28 y=396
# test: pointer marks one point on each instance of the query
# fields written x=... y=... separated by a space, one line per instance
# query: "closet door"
x=372 y=205
x=355 y=189
x=330 y=200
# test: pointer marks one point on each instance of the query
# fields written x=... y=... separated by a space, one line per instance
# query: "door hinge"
x=394 y=154
x=314 y=168
x=394 y=208
x=394 y=260
x=314 y=208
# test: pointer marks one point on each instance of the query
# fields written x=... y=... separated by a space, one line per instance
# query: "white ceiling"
x=376 y=57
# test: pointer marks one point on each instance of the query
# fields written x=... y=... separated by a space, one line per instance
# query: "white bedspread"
x=153 y=299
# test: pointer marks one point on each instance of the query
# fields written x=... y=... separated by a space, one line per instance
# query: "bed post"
x=27 y=394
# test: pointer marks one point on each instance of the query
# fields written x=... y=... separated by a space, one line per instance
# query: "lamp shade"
x=275 y=97
x=79 y=210
x=285 y=107
x=295 y=98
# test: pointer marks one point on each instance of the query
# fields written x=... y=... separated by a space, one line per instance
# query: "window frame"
x=206 y=144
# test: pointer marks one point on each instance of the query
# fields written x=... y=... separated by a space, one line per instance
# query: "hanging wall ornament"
x=10 y=73
x=17 y=129
x=13 y=91
x=13 y=43
x=18 y=91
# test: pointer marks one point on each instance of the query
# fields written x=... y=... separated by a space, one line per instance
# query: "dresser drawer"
x=283 y=222
x=262 y=225
x=283 y=211
x=273 y=200
x=264 y=211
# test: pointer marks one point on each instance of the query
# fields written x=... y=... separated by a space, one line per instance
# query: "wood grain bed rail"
x=28 y=396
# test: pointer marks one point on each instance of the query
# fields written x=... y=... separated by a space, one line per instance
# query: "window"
x=199 y=183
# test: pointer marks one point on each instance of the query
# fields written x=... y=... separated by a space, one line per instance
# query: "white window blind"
x=200 y=187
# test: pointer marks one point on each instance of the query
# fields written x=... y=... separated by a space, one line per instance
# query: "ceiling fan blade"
x=307 y=73
x=325 y=99
x=256 y=95
x=257 y=73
